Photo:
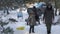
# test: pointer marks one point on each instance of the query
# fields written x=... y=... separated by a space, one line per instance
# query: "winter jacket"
x=32 y=20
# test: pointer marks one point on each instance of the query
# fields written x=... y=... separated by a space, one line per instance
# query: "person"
x=31 y=21
x=49 y=17
x=36 y=14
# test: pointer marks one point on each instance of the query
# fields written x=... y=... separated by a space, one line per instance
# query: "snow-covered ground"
x=40 y=29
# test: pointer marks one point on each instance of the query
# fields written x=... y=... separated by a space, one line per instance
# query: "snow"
x=40 y=29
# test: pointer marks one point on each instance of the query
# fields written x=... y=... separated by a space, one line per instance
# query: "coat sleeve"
x=29 y=18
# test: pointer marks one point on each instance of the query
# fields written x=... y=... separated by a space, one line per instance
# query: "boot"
x=48 y=32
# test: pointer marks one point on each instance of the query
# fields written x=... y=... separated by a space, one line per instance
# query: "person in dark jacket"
x=36 y=14
x=48 y=16
x=31 y=21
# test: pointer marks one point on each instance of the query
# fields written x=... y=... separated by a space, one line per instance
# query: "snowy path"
x=41 y=29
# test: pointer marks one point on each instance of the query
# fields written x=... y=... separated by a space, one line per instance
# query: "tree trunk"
x=56 y=7
x=56 y=12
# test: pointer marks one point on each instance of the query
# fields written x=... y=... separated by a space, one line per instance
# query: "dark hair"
x=48 y=7
x=34 y=7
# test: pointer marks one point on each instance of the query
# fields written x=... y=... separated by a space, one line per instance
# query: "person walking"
x=49 y=17
x=31 y=21
x=36 y=14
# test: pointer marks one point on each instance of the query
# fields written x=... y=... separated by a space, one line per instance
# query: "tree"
x=5 y=30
